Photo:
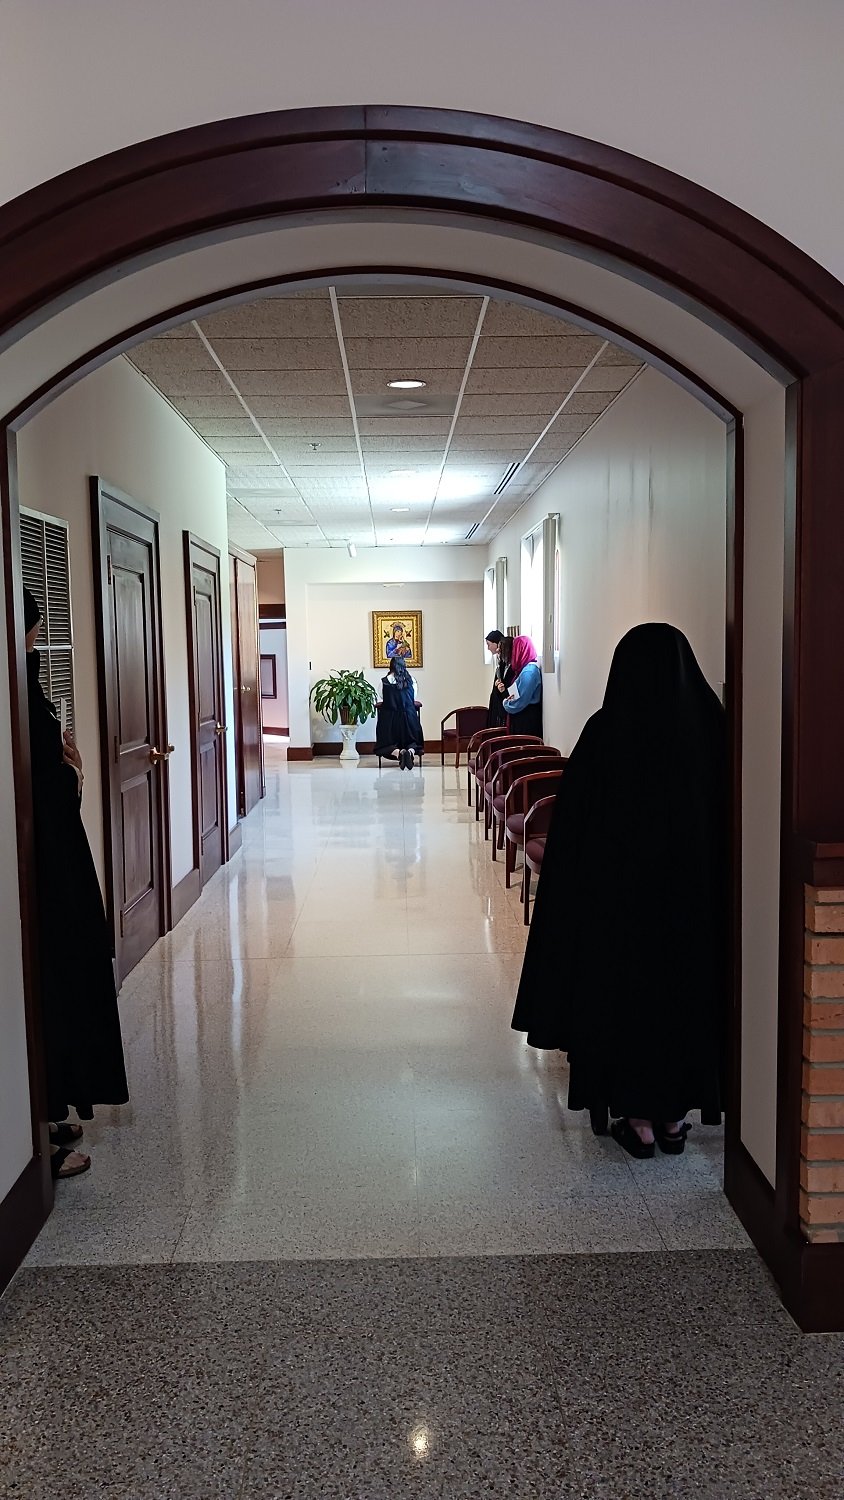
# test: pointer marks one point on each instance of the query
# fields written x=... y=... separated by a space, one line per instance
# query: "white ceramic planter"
x=349 y=750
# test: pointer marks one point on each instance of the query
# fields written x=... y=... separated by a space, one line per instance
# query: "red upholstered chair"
x=537 y=824
x=472 y=749
x=483 y=754
x=521 y=797
x=533 y=758
x=467 y=721
x=503 y=751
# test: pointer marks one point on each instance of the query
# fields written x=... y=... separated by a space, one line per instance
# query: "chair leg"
x=477 y=802
x=486 y=820
x=468 y=786
x=526 y=894
x=494 y=830
x=509 y=861
x=501 y=833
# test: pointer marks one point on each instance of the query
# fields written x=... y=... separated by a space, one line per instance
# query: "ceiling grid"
x=293 y=394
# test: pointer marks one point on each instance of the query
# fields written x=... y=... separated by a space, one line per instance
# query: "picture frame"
x=397 y=632
x=269 y=684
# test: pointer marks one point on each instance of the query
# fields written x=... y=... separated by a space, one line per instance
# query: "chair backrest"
x=501 y=756
x=521 y=766
x=489 y=747
x=470 y=720
x=538 y=819
x=482 y=735
x=526 y=790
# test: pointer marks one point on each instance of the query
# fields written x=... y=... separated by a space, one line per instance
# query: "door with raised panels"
x=208 y=729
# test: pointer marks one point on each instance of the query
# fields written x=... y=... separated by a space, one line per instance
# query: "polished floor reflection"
x=346 y=1243
x=321 y=1062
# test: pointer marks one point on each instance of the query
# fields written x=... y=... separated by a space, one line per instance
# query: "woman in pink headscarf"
x=523 y=703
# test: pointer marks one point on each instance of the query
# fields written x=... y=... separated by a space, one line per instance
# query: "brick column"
x=822 y=1139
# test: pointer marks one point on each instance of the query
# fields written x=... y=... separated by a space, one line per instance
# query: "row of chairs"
x=514 y=780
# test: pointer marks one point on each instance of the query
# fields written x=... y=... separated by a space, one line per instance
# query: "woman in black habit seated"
x=625 y=965
x=82 y=1044
x=398 y=730
x=500 y=646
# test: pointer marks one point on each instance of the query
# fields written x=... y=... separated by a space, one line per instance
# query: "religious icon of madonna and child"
x=397 y=638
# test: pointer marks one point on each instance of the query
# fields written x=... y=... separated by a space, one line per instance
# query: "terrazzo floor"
x=347 y=1241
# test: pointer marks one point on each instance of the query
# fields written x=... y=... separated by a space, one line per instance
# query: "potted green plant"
x=346 y=698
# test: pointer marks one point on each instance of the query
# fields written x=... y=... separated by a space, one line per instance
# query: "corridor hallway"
x=346 y=1241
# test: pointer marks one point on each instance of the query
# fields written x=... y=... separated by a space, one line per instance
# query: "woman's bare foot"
x=644 y=1130
x=64 y=1163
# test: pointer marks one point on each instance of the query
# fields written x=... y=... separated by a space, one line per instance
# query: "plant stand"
x=349 y=751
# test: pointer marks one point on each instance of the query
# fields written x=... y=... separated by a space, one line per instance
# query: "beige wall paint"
x=339 y=628
x=416 y=568
x=667 y=80
x=114 y=424
x=642 y=506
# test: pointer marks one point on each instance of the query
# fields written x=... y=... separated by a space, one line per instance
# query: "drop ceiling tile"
x=524 y=381
x=540 y=404
x=223 y=427
x=160 y=356
x=556 y=351
x=299 y=407
x=203 y=408
x=407 y=357
x=408 y=317
x=189 y=382
x=520 y=428
x=615 y=356
x=406 y=443
x=277 y=354
x=439 y=381
x=612 y=378
x=290 y=382
x=508 y=319
x=273 y=318
x=317 y=428
x=404 y=426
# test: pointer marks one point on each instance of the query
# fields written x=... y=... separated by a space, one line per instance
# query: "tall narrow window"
x=533 y=589
x=45 y=564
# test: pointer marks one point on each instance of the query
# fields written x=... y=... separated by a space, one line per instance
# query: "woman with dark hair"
x=500 y=646
x=633 y=986
x=398 y=731
x=523 y=699
x=82 y=1043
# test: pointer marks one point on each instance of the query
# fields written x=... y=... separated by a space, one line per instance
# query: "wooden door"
x=205 y=687
x=135 y=750
x=247 y=687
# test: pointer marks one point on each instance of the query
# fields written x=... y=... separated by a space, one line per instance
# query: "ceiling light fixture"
x=406 y=385
x=400 y=510
x=352 y=549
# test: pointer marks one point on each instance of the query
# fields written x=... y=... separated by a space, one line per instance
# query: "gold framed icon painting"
x=397 y=635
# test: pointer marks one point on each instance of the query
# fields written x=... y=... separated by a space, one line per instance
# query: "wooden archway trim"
x=655 y=224
x=735 y=273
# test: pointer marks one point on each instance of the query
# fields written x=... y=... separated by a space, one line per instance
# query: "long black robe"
x=625 y=965
x=82 y=1042
x=496 y=715
x=398 y=726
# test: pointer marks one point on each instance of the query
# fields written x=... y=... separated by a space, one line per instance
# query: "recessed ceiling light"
x=400 y=510
x=406 y=385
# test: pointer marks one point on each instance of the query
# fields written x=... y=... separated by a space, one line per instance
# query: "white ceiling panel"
x=283 y=358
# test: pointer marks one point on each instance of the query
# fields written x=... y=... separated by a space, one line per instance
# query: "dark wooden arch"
x=657 y=228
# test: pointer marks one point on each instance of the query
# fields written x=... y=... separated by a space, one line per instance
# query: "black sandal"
x=58 y=1159
x=623 y=1132
x=672 y=1143
x=65 y=1134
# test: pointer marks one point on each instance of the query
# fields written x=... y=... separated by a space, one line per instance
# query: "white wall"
x=642 y=505
x=339 y=624
x=276 y=712
x=271 y=579
x=418 y=569
x=743 y=96
x=114 y=424
x=15 y=1131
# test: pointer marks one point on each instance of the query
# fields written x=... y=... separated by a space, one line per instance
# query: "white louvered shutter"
x=45 y=563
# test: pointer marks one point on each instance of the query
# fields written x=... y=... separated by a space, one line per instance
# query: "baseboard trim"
x=302 y=752
x=235 y=839
x=281 y=734
x=184 y=895
x=23 y=1213
x=810 y=1277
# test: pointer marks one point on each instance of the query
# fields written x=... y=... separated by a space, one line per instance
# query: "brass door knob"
x=219 y=729
x=156 y=755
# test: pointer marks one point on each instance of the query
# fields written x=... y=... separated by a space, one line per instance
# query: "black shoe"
x=408 y=760
x=671 y=1143
x=403 y=759
x=623 y=1132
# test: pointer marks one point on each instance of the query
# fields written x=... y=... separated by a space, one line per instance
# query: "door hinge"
x=108 y=571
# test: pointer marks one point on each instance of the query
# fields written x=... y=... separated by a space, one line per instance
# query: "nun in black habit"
x=81 y=1027
x=625 y=965
x=398 y=728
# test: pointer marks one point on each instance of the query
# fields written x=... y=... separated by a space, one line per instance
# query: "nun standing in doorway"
x=625 y=968
x=81 y=1027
